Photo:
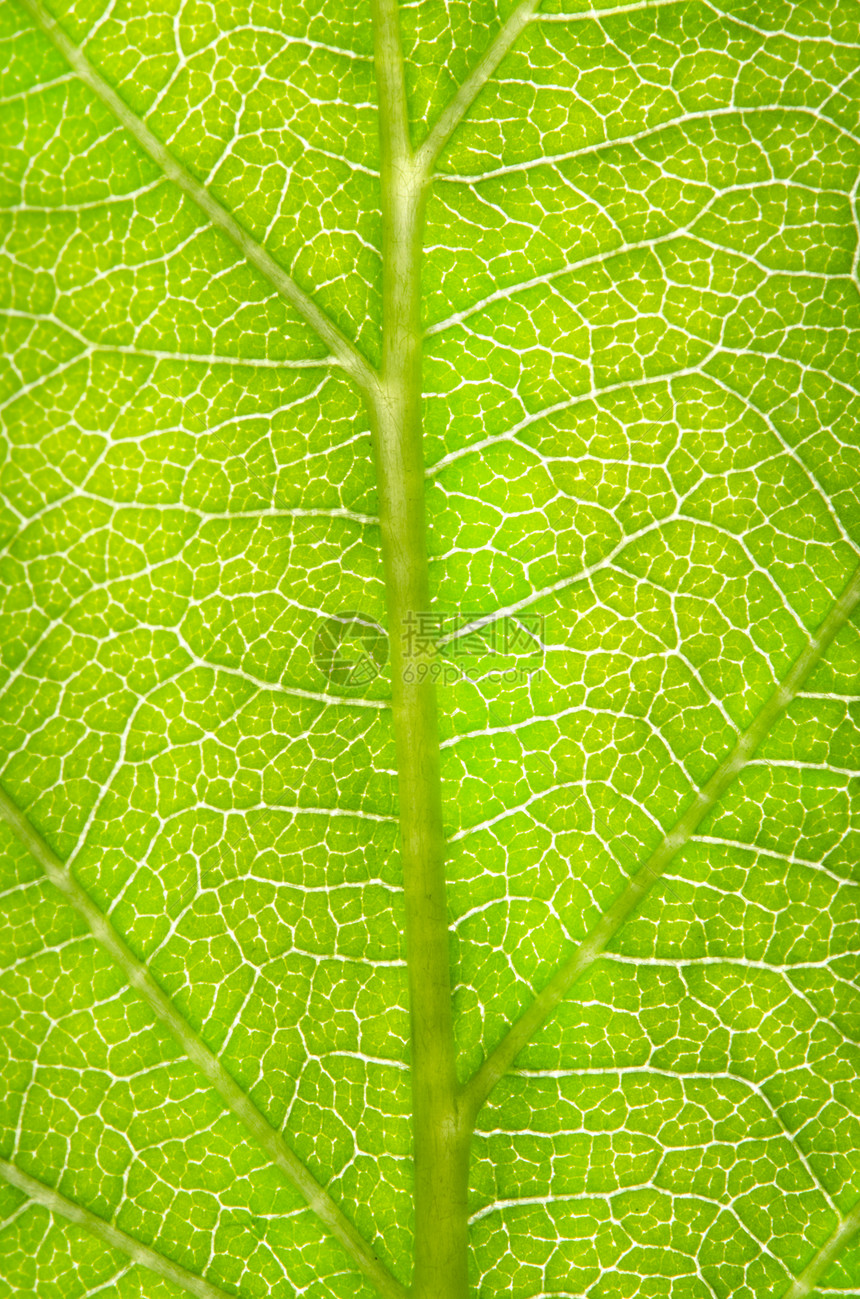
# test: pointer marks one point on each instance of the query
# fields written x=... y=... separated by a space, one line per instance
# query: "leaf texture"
x=641 y=301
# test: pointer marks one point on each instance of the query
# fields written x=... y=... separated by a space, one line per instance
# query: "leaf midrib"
x=500 y=1060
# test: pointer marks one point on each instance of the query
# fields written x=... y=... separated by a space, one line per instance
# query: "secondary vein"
x=500 y=1060
x=839 y=1238
x=258 y=1127
x=110 y=1235
x=463 y=99
x=354 y=363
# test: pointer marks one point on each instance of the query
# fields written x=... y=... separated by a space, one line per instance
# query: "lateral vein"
x=259 y=1128
x=502 y=1057
x=110 y=1235
x=839 y=1238
x=354 y=363
x=463 y=99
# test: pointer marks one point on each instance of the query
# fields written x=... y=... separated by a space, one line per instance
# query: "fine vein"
x=354 y=363
x=139 y=977
x=502 y=1057
x=110 y=1235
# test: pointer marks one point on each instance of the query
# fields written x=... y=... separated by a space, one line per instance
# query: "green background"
x=642 y=413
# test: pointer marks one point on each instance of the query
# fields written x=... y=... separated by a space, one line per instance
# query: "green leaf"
x=598 y=531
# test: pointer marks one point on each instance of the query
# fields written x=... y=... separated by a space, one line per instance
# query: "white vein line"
x=791 y=858
x=706 y=115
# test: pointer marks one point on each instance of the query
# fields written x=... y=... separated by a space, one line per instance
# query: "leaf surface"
x=640 y=292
